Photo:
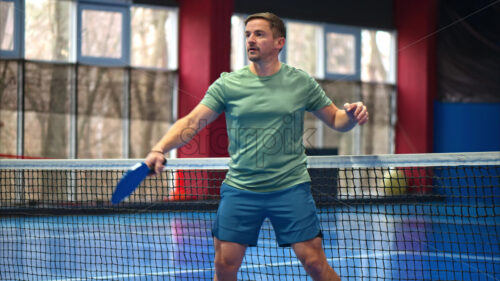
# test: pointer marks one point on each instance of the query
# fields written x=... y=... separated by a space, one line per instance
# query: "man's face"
x=261 y=45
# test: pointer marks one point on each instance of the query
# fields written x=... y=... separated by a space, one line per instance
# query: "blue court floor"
x=371 y=242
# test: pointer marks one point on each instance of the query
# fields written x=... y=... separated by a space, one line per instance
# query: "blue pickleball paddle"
x=130 y=181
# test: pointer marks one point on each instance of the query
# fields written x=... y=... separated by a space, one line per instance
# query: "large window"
x=47 y=103
x=85 y=79
x=378 y=56
x=49 y=26
x=343 y=57
x=238 y=55
x=100 y=102
x=103 y=34
x=154 y=34
x=351 y=64
x=303 y=48
x=8 y=107
x=149 y=114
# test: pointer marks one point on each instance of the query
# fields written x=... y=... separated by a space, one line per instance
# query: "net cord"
x=345 y=161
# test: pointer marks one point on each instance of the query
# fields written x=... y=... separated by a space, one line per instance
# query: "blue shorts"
x=292 y=213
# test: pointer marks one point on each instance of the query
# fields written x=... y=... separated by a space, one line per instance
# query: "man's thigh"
x=229 y=252
x=239 y=216
x=293 y=215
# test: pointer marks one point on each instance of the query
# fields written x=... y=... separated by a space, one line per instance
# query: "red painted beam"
x=416 y=24
x=204 y=52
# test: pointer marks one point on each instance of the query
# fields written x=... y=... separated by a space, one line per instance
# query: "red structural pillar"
x=416 y=24
x=204 y=52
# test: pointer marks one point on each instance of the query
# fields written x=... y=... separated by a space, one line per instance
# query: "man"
x=264 y=104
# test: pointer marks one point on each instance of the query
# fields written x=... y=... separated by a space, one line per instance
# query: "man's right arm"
x=181 y=132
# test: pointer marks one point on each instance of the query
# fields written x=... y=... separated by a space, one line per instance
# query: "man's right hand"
x=156 y=161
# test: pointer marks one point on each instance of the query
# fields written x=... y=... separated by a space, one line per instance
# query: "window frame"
x=72 y=39
x=347 y=30
x=18 y=50
x=124 y=60
x=111 y=2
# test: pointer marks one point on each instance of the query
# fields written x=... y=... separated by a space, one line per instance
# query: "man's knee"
x=314 y=265
x=226 y=265
x=228 y=257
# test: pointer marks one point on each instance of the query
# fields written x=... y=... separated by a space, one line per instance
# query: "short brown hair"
x=275 y=22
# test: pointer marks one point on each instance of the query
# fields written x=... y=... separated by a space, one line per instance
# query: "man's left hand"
x=357 y=111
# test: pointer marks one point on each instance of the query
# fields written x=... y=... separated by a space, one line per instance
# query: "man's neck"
x=265 y=69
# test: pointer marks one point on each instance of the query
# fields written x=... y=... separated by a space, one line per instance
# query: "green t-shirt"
x=265 y=124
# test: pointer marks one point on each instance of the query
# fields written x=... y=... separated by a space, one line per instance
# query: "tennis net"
x=383 y=217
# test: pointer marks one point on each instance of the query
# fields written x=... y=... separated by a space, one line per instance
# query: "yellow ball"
x=395 y=182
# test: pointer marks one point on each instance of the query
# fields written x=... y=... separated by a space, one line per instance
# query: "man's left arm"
x=343 y=119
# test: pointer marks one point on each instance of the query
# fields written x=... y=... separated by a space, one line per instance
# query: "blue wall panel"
x=466 y=127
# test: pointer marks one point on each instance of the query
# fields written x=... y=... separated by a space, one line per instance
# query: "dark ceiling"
x=364 y=13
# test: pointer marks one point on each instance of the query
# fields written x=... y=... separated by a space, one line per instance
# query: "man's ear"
x=280 y=42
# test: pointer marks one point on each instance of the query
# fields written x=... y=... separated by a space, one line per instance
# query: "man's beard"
x=255 y=58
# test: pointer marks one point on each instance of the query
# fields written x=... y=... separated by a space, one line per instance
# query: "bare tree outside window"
x=151 y=109
x=340 y=53
x=8 y=107
x=48 y=30
x=6 y=26
x=237 y=42
x=100 y=101
x=151 y=90
x=376 y=64
x=102 y=34
x=47 y=86
x=301 y=50
x=98 y=92
x=376 y=68
x=149 y=37
x=47 y=110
